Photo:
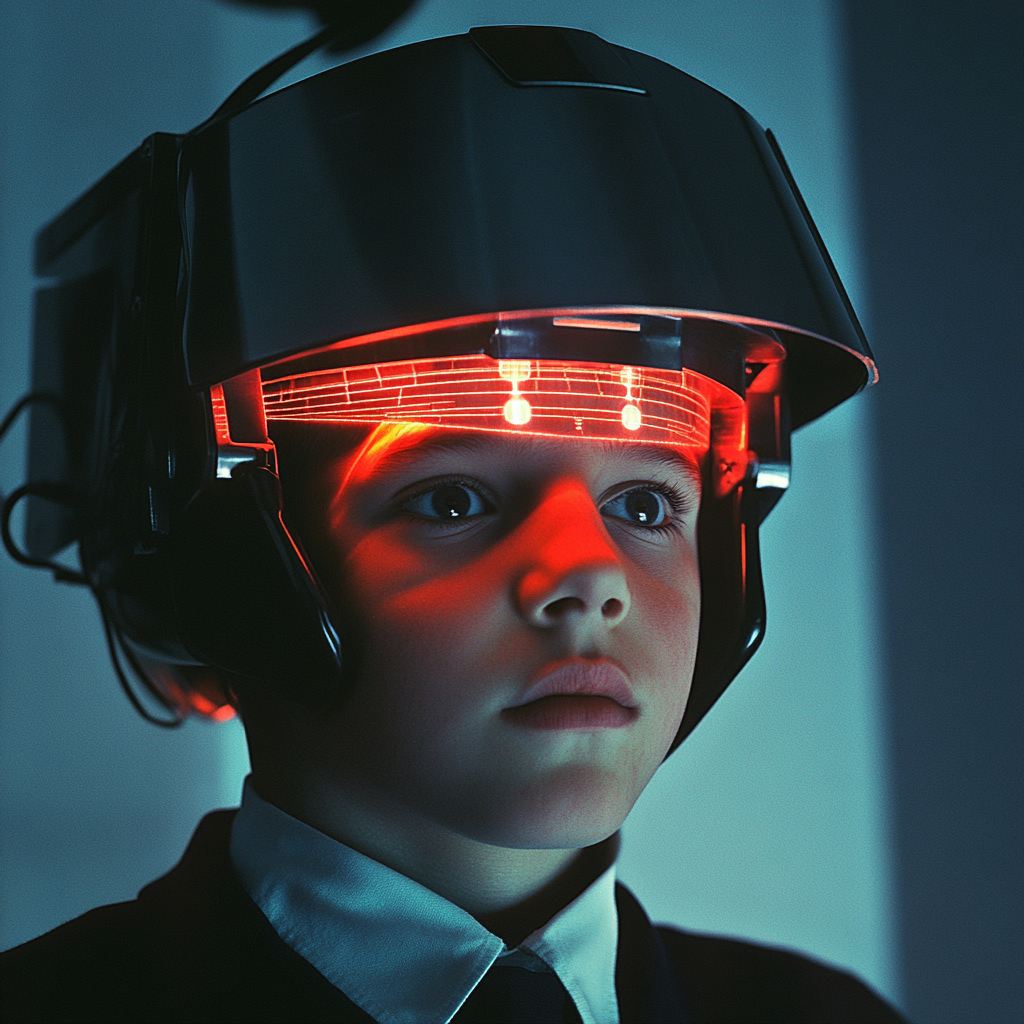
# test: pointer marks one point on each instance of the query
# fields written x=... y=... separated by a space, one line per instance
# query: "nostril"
x=557 y=609
x=612 y=608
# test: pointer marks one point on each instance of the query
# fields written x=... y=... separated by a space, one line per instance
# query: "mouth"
x=577 y=694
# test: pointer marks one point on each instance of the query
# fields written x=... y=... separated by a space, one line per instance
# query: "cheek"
x=439 y=653
x=666 y=612
x=415 y=592
x=424 y=628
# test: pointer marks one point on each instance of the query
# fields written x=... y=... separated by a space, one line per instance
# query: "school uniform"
x=267 y=919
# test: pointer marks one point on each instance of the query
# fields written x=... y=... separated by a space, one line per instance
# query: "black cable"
x=122 y=678
x=51 y=492
x=267 y=75
x=143 y=676
x=23 y=402
x=346 y=25
x=63 y=495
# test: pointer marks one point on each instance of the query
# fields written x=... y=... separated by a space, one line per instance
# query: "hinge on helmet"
x=240 y=424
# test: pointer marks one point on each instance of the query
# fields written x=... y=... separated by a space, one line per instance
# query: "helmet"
x=523 y=228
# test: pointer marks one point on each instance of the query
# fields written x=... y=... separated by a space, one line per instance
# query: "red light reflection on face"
x=384 y=439
x=549 y=601
x=552 y=398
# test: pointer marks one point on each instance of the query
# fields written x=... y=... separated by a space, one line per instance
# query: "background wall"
x=772 y=821
x=94 y=802
x=937 y=96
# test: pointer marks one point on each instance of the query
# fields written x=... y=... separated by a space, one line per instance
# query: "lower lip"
x=574 y=711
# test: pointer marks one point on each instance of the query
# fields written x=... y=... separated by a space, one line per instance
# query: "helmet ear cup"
x=732 y=614
x=245 y=597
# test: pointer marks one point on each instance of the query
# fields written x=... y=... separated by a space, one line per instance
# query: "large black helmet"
x=519 y=214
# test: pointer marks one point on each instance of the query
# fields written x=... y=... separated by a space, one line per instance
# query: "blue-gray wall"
x=937 y=96
x=93 y=801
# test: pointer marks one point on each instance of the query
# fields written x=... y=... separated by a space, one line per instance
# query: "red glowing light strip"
x=553 y=398
x=220 y=414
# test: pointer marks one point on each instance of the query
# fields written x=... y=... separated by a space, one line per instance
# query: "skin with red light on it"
x=524 y=616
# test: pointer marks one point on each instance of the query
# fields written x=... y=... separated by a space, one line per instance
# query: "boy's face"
x=525 y=615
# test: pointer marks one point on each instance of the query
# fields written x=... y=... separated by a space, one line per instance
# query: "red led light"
x=220 y=414
x=599 y=401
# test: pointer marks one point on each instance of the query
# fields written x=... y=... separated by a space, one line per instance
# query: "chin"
x=574 y=808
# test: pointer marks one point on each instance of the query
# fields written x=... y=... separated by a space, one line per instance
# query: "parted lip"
x=581 y=677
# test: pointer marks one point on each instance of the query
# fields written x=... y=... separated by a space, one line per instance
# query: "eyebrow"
x=430 y=445
x=678 y=460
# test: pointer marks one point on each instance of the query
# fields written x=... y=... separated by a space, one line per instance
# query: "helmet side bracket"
x=733 y=614
x=768 y=418
x=247 y=599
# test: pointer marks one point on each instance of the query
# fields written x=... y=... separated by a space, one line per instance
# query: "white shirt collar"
x=401 y=952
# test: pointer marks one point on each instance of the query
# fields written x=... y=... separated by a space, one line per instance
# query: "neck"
x=511 y=892
x=514 y=923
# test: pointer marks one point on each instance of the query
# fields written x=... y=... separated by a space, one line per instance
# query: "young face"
x=525 y=614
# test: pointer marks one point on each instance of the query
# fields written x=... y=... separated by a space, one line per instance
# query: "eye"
x=640 y=508
x=448 y=502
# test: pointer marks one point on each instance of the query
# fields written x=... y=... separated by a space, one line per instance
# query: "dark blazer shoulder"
x=728 y=980
x=194 y=947
x=55 y=976
x=191 y=947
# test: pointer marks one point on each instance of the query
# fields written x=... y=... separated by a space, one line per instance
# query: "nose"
x=574 y=576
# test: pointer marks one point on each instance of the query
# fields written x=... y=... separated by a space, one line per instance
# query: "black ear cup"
x=732 y=616
x=245 y=598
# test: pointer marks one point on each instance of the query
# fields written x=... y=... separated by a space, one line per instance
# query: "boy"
x=509 y=542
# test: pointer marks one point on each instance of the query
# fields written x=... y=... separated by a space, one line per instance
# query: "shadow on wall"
x=937 y=92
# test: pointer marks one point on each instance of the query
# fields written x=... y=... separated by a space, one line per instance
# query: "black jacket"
x=194 y=947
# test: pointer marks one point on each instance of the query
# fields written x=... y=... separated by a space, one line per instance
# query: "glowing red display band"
x=600 y=401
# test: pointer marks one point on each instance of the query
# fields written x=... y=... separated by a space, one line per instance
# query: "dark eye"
x=448 y=502
x=641 y=508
